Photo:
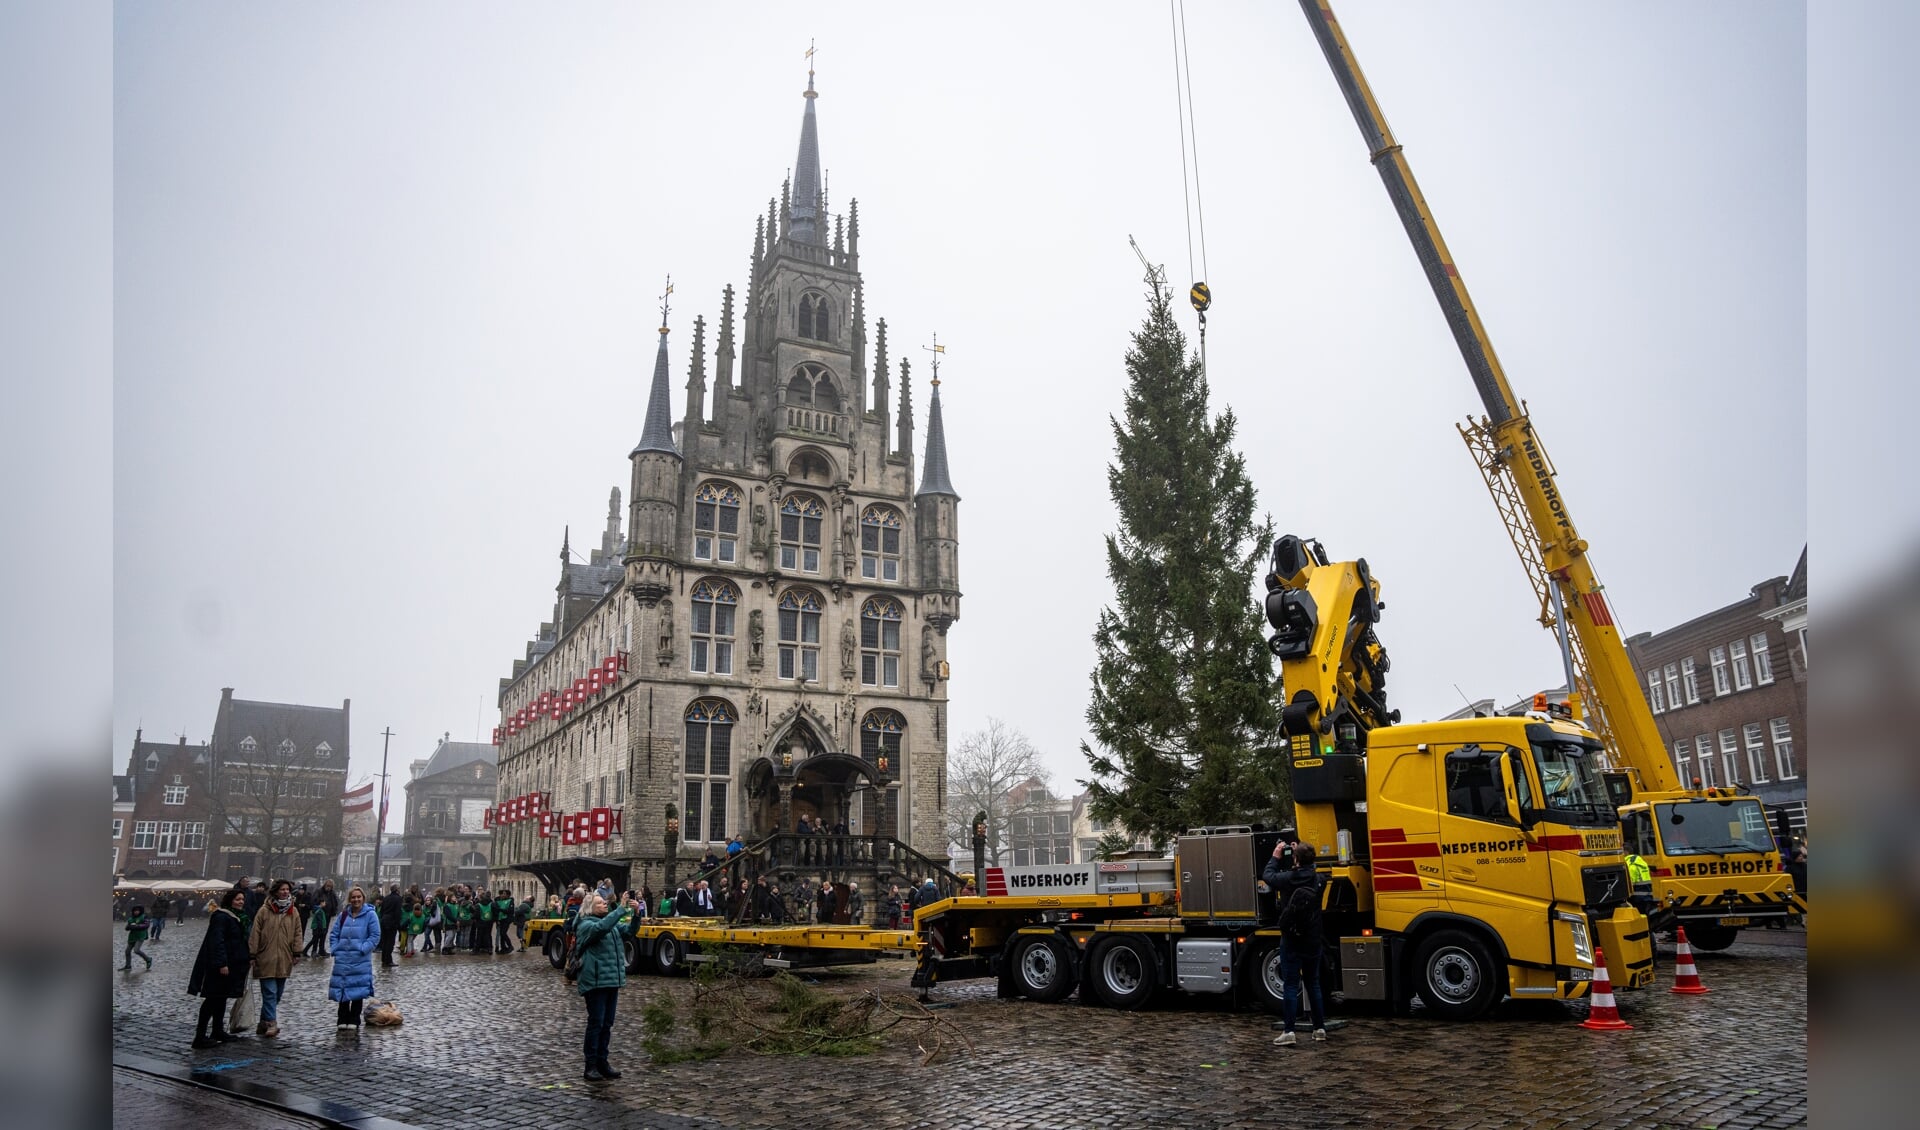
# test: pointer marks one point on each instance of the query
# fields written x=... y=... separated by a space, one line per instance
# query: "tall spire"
x=933 y=479
x=657 y=433
x=808 y=225
x=697 y=381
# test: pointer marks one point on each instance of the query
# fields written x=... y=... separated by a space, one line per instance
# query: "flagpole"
x=380 y=807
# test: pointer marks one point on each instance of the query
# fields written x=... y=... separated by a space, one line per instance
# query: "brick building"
x=1728 y=691
x=768 y=640
x=278 y=775
x=122 y=821
x=168 y=829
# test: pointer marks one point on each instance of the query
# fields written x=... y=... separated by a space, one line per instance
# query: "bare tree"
x=982 y=769
x=278 y=804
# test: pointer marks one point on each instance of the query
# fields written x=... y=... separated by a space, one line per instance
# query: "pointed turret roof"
x=933 y=480
x=806 y=225
x=657 y=433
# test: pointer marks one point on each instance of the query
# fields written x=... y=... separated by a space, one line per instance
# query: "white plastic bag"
x=246 y=1010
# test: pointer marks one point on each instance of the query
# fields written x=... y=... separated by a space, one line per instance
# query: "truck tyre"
x=1263 y=972
x=667 y=953
x=1042 y=967
x=1121 y=973
x=1455 y=975
x=1711 y=936
x=556 y=948
x=633 y=954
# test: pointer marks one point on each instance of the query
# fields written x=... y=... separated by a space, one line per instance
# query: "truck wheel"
x=1711 y=936
x=1042 y=968
x=633 y=954
x=1455 y=975
x=556 y=949
x=666 y=955
x=1120 y=973
x=1263 y=970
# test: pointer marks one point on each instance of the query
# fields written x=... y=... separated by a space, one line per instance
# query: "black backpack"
x=576 y=954
x=1296 y=917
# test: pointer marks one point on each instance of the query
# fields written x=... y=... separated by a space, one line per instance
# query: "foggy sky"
x=385 y=287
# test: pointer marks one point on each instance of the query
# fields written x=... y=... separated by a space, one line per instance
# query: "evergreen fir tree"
x=1183 y=690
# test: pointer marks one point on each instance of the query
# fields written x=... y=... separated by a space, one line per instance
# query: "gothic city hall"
x=761 y=653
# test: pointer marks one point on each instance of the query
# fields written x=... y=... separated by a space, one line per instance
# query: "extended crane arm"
x=1510 y=455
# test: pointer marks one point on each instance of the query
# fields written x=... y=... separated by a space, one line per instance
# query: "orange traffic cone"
x=1603 y=1015
x=1686 y=977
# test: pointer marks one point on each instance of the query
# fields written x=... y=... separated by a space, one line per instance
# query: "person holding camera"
x=1298 y=889
x=603 y=970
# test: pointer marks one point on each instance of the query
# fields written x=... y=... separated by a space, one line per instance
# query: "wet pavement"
x=495 y=1041
x=142 y=1102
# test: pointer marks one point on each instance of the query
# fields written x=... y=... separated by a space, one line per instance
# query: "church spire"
x=808 y=224
x=657 y=433
x=933 y=479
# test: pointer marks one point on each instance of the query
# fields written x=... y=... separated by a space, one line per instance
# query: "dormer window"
x=323 y=750
x=248 y=745
x=286 y=748
x=816 y=317
x=153 y=762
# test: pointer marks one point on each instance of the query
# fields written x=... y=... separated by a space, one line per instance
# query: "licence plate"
x=1733 y=922
x=1579 y=974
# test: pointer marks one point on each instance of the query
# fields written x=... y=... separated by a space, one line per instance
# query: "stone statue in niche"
x=759 y=528
x=665 y=655
x=929 y=659
x=756 y=639
x=847 y=645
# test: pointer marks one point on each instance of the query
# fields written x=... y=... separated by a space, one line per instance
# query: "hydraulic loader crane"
x=1714 y=864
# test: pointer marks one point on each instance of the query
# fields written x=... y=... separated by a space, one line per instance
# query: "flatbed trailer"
x=670 y=945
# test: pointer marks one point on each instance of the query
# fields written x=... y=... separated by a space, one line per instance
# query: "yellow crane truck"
x=1468 y=860
x=1715 y=867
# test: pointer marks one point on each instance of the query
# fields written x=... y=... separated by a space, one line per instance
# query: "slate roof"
x=452 y=755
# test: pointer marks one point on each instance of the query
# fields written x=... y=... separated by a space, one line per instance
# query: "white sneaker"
x=1284 y=1039
x=1319 y=1033
x=344 y=1027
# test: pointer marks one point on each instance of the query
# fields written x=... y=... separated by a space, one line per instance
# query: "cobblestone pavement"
x=141 y=1102
x=494 y=1041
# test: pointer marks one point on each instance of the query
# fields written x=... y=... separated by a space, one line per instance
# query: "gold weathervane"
x=663 y=304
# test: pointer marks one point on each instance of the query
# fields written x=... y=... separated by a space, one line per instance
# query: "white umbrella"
x=133 y=885
x=175 y=886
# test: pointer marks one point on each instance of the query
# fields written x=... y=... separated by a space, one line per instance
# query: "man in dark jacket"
x=391 y=907
x=1298 y=889
x=157 y=914
x=683 y=904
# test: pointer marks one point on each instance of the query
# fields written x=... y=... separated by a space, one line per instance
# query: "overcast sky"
x=386 y=279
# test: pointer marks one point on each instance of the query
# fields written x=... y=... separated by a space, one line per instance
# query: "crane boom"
x=1509 y=453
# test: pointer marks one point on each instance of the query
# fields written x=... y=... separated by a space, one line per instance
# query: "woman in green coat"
x=597 y=937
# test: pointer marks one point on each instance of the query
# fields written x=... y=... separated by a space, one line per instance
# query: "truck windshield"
x=1713 y=827
x=1570 y=781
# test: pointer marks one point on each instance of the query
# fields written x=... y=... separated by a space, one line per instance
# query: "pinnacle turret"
x=657 y=433
x=808 y=225
x=934 y=480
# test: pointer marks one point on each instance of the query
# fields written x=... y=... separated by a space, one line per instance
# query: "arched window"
x=810 y=466
x=800 y=388
x=880 y=544
x=716 y=522
x=714 y=606
x=800 y=516
x=473 y=860
x=880 y=642
x=816 y=317
x=800 y=635
x=709 y=734
x=883 y=733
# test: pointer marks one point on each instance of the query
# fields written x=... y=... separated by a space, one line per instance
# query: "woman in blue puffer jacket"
x=353 y=938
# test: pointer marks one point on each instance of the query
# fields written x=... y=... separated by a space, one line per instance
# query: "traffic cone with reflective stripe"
x=1603 y=1015
x=1686 y=977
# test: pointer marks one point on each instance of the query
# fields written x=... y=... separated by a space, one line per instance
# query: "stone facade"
x=776 y=615
x=445 y=839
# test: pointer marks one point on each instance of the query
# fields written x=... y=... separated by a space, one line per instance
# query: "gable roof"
x=453 y=755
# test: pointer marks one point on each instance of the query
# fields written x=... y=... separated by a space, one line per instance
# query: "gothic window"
x=716 y=522
x=800 y=635
x=812 y=386
x=883 y=733
x=709 y=764
x=800 y=518
x=816 y=317
x=880 y=642
x=714 y=606
x=880 y=544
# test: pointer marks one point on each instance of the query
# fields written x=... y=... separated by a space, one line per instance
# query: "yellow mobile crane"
x=1714 y=865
